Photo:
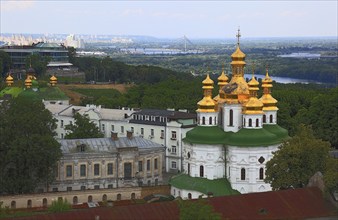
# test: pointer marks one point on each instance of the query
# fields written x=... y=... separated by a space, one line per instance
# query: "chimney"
x=129 y=134
x=114 y=136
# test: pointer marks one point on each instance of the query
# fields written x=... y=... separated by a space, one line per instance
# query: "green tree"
x=5 y=63
x=297 y=160
x=197 y=210
x=28 y=150
x=82 y=128
x=60 y=205
x=38 y=63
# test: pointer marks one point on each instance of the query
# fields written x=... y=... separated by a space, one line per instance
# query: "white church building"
x=235 y=137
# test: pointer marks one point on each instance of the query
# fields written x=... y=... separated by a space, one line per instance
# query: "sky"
x=172 y=19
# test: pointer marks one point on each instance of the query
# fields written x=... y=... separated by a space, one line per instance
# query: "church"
x=235 y=136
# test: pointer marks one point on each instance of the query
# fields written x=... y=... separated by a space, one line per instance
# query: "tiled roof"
x=306 y=203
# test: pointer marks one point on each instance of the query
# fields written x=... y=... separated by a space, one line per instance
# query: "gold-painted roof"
x=53 y=78
x=253 y=82
x=253 y=106
x=9 y=78
x=238 y=54
x=267 y=78
x=207 y=104
x=28 y=80
x=207 y=80
x=222 y=78
x=242 y=86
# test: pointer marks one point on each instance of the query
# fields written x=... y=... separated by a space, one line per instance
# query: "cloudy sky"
x=195 y=19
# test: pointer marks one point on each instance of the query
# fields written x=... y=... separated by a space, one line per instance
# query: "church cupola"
x=28 y=82
x=207 y=113
x=253 y=108
x=222 y=81
x=53 y=80
x=269 y=103
x=9 y=80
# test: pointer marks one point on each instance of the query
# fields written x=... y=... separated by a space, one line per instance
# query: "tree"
x=197 y=209
x=28 y=150
x=5 y=63
x=82 y=128
x=38 y=63
x=297 y=160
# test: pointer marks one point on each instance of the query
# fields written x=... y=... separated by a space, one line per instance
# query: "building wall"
x=184 y=194
x=247 y=158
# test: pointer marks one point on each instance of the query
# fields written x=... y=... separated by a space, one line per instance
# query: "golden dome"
x=269 y=103
x=253 y=82
x=28 y=82
x=9 y=80
x=207 y=80
x=207 y=104
x=53 y=78
x=238 y=54
x=267 y=78
x=222 y=79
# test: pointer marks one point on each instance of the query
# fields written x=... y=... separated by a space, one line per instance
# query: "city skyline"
x=172 y=19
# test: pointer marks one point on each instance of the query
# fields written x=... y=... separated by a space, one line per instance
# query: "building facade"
x=236 y=135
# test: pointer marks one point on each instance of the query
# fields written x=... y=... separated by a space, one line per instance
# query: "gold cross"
x=238 y=35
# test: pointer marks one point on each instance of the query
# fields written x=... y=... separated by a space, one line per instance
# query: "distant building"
x=72 y=41
x=57 y=53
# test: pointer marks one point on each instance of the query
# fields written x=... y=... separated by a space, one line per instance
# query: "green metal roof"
x=46 y=93
x=219 y=187
x=205 y=135
x=266 y=136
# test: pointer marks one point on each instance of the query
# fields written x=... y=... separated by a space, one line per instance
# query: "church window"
x=264 y=118
x=243 y=174
x=257 y=122
x=201 y=171
x=152 y=132
x=173 y=165
x=271 y=118
x=142 y=131
x=261 y=173
x=103 y=127
x=244 y=122
x=69 y=171
x=96 y=169
x=189 y=169
x=61 y=124
x=82 y=170
x=132 y=129
x=210 y=120
x=162 y=134
x=122 y=129
x=112 y=127
x=188 y=155
x=261 y=160
x=231 y=120
x=110 y=169
x=173 y=135
x=250 y=122
x=203 y=120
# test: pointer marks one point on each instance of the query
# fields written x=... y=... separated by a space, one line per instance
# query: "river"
x=283 y=80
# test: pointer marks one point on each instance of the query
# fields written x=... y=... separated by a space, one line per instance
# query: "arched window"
x=75 y=200
x=132 y=196
x=201 y=171
x=44 y=203
x=250 y=122
x=189 y=169
x=210 y=120
x=104 y=198
x=231 y=120
x=257 y=122
x=118 y=197
x=13 y=204
x=203 y=120
x=29 y=203
x=215 y=121
x=271 y=118
x=261 y=173
x=90 y=198
x=264 y=118
x=189 y=195
x=243 y=174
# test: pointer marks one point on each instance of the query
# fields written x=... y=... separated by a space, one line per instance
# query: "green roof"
x=205 y=135
x=46 y=93
x=266 y=136
x=219 y=187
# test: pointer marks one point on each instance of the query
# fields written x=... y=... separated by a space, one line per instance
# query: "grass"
x=97 y=93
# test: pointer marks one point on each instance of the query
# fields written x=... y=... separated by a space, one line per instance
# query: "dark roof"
x=285 y=204
x=166 y=113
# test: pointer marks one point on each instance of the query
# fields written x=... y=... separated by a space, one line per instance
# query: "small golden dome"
x=267 y=78
x=207 y=104
x=9 y=80
x=253 y=82
x=53 y=78
x=207 y=80
x=238 y=54
x=222 y=77
x=28 y=82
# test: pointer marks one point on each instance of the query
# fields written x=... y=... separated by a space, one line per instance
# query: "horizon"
x=172 y=19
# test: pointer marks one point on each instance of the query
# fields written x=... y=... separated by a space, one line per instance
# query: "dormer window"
x=81 y=148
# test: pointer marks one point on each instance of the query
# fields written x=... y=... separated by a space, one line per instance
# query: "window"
x=140 y=166
x=257 y=122
x=75 y=200
x=69 y=171
x=242 y=174
x=147 y=117
x=250 y=122
x=231 y=118
x=173 y=150
x=264 y=118
x=104 y=198
x=271 y=118
x=61 y=124
x=110 y=169
x=61 y=136
x=148 y=165
x=132 y=129
x=189 y=169
x=29 y=203
x=155 y=164
x=96 y=169
x=189 y=195
x=122 y=129
x=110 y=186
x=261 y=173
x=162 y=134
x=132 y=196
x=210 y=120
x=173 y=164
x=118 y=197
x=103 y=127
x=152 y=132
x=83 y=188
x=82 y=170
x=201 y=171
x=173 y=135
x=69 y=189
x=112 y=128
x=97 y=187
x=90 y=198
x=55 y=189
x=142 y=131
x=203 y=120
x=71 y=122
